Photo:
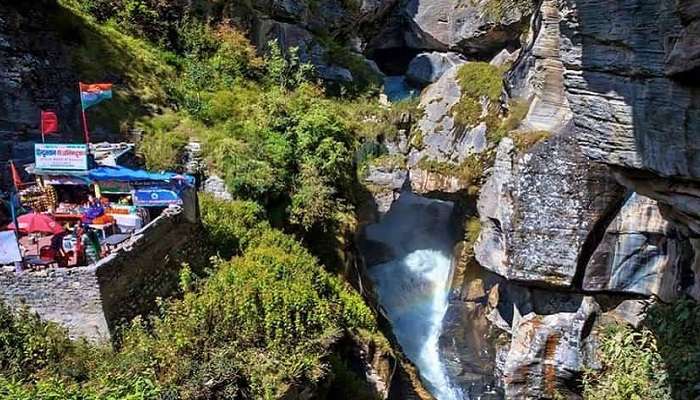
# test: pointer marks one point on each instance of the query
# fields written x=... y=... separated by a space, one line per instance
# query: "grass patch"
x=390 y=162
x=470 y=171
x=517 y=110
x=102 y=53
x=525 y=140
x=479 y=82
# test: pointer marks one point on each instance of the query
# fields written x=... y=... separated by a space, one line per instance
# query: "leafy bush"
x=261 y=326
x=230 y=225
x=27 y=344
x=312 y=200
x=676 y=327
x=659 y=360
x=164 y=142
x=632 y=367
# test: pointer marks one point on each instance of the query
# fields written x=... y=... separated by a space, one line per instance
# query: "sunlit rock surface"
x=539 y=208
x=443 y=139
x=466 y=26
x=427 y=68
x=547 y=350
x=537 y=76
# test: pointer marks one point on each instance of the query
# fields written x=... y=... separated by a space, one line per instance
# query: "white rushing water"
x=413 y=287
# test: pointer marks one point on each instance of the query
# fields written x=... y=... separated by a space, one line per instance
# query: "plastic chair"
x=47 y=253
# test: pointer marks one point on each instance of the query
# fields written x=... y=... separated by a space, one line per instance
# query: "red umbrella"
x=33 y=222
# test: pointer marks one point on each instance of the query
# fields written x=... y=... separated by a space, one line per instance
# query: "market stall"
x=109 y=202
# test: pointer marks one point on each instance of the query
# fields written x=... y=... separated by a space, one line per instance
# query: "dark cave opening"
x=394 y=60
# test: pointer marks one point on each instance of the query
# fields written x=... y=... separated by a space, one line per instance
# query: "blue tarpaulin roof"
x=123 y=174
x=118 y=173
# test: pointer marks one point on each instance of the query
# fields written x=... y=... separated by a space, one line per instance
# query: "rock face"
x=427 y=68
x=483 y=26
x=601 y=212
x=641 y=252
x=538 y=210
x=537 y=76
x=626 y=68
x=443 y=139
x=35 y=72
x=547 y=350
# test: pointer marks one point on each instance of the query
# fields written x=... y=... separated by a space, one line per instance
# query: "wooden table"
x=103 y=229
x=66 y=217
x=115 y=240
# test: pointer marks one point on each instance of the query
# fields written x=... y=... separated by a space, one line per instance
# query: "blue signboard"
x=156 y=197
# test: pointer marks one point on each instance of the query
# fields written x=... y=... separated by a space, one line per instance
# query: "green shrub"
x=164 y=142
x=230 y=225
x=263 y=324
x=479 y=82
x=632 y=367
x=676 y=327
x=480 y=79
x=312 y=200
x=27 y=344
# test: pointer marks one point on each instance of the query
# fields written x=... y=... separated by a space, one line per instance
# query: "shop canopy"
x=117 y=174
x=123 y=174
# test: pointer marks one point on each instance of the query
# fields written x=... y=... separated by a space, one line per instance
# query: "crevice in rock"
x=595 y=236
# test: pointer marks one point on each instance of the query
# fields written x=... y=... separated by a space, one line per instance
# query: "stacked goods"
x=35 y=197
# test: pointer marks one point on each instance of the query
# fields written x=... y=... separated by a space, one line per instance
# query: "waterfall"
x=413 y=286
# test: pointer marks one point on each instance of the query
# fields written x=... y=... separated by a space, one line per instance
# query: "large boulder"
x=310 y=49
x=427 y=68
x=548 y=349
x=442 y=141
x=541 y=210
x=482 y=26
x=641 y=252
x=331 y=16
x=442 y=138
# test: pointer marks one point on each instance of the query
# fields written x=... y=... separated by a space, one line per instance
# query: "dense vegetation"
x=660 y=360
x=264 y=319
x=261 y=326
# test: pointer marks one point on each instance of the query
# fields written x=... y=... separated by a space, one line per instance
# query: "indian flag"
x=94 y=93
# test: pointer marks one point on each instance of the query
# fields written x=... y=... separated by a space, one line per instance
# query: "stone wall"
x=91 y=301
x=70 y=297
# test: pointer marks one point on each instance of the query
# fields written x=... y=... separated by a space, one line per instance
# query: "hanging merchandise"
x=35 y=197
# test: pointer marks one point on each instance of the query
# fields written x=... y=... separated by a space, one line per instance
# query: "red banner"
x=49 y=122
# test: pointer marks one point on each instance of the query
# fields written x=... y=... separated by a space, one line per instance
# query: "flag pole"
x=86 y=133
x=41 y=116
x=13 y=212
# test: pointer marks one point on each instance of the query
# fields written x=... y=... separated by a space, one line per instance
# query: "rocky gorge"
x=596 y=219
x=553 y=168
